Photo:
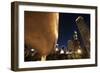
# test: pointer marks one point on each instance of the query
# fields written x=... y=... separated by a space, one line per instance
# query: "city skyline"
x=67 y=26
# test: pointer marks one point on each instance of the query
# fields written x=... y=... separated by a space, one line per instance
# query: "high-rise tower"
x=85 y=33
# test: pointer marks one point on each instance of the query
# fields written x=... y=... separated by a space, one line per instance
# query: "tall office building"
x=85 y=33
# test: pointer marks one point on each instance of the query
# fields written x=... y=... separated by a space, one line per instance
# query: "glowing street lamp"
x=79 y=51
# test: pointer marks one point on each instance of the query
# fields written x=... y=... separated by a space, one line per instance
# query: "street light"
x=79 y=51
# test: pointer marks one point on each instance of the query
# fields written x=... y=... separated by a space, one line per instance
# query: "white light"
x=61 y=52
x=75 y=32
x=32 y=49
x=57 y=49
x=67 y=52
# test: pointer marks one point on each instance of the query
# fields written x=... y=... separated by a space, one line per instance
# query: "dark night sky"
x=67 y=26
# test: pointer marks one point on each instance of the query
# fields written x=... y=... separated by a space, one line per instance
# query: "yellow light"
x=79 y=51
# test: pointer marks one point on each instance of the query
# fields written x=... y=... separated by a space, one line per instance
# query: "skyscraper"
x=85 y=33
